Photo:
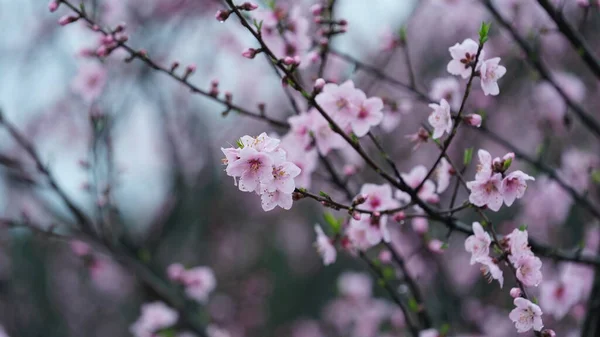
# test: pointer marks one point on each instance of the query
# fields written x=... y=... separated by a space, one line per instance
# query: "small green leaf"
x=413 y=305
x=445 y=245
x=354 y=137
x=239 y=143
x=506 y=164
x=534 y=300
x=596 y=176
x=402 y=34
x=324 y=195
x=388 y=273
x=484 y=32
x=523 y=227
x=468 y=156
x=444 y=329
x=144 y=255
x=333 y=223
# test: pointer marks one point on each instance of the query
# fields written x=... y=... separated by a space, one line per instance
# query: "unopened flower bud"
x=222 y=15
x=316 y=9
x=319 y=84
x=356 y=216
x=473 y=120
x=385 y=256
x=548 y=333
x=250 y=53
x=360 y=199
x=515 y=292
x=248 y=6
x=67 y=19
x=400 y=216
x=53 y=6
x=436 y=246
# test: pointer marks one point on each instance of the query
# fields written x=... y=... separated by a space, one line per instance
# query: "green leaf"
x=596 y=176
x=445 y=245
x=468 y=156
x=484 y=32
x=444 y=329
x=413 y=305
x=144 y=255
x=402 y=34
x=534 y=300
x=324 y=195
x=506 y=164
x=333 y=223
x=388 y=273
x=523 y=227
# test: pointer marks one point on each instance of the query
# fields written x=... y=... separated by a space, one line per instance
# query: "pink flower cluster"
x=489 y=70
x=262 y=167
x=492 y=186
x=527 y=266
x=154 y=317
x=198 y=282
x=350 y=108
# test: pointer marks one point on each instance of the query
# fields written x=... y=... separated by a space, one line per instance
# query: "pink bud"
x=222 y=15
x=319 y=84
x=420 y=225
x=228 y=96
x=515 y=292
x=473 y=120
x=509 y=156
x=86 y=52
x=349 y=170
x=174 y=66
x=400 y=216
x=436 y=246
x=385 y=256
x=356 y=216
x=316 y=9
x=175 y=271
x=80 y=248
x=343 y=22
x=190 y=69
x=318 y=19
x=102 y=51
x=53 y=6
x=248 y=6
x=314 y=56
x=249 y=53
x=288 y=60
x=107 y=39
x=548 y=333
x=119 y=28
x=67 y=19
x=360 y=199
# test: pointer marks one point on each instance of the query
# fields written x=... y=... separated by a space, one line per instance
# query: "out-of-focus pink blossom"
x=89 y=82
x=447 y=88
x=478 y=244
x=324 y=246
x=155 y=316
x=440 y=119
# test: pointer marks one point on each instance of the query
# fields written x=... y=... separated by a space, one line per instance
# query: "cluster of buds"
x=224 y=14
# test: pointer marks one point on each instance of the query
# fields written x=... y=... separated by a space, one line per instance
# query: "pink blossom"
x=324 y=246
x=440 y=119
x=155 y=316
x=341 y=102
x=447 y=88
x=270 y=200
x=392 y=116
x=371 y=231
x=420 y=225
x=518 y=245
x=214 y=331
x=414 y=178
x=463 y=55
x=175 y=272
x=306 y=160
x=89 y=82
x=529 y=270
x=80 y=248
x=378 y=197
x=487 y=192
x=199 y=282
x=325 y=138
x=436 y=246
x=514 y=186
x=284 y=173
x=262 y=142
x=558 y=297
x=526 y=315
x=484 y=168
x=478 y=244
x=253 y=168
x=443 y=173
x=491 y=271
x=355 y=285
x=491 y=71
x=360 y=236
x=367 y=115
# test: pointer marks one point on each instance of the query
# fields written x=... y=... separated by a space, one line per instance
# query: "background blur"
x=153 y=162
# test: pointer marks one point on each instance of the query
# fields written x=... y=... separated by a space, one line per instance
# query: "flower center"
x=255 y=164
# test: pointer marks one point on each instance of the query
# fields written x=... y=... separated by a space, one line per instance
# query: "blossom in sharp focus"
x=491 y=271
x=89 y=81
x=487 y=192
x=463 y=56
x=440 y=119
x=324 y=247
x=369 y=113
x=526 y=316
x=514 y=186
x=154 y=316
x=270 y=200
x=253 y=167
x=529 y=270
x=478 y=244
x=484 y=168
x=340 y=102
x=490 y=72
